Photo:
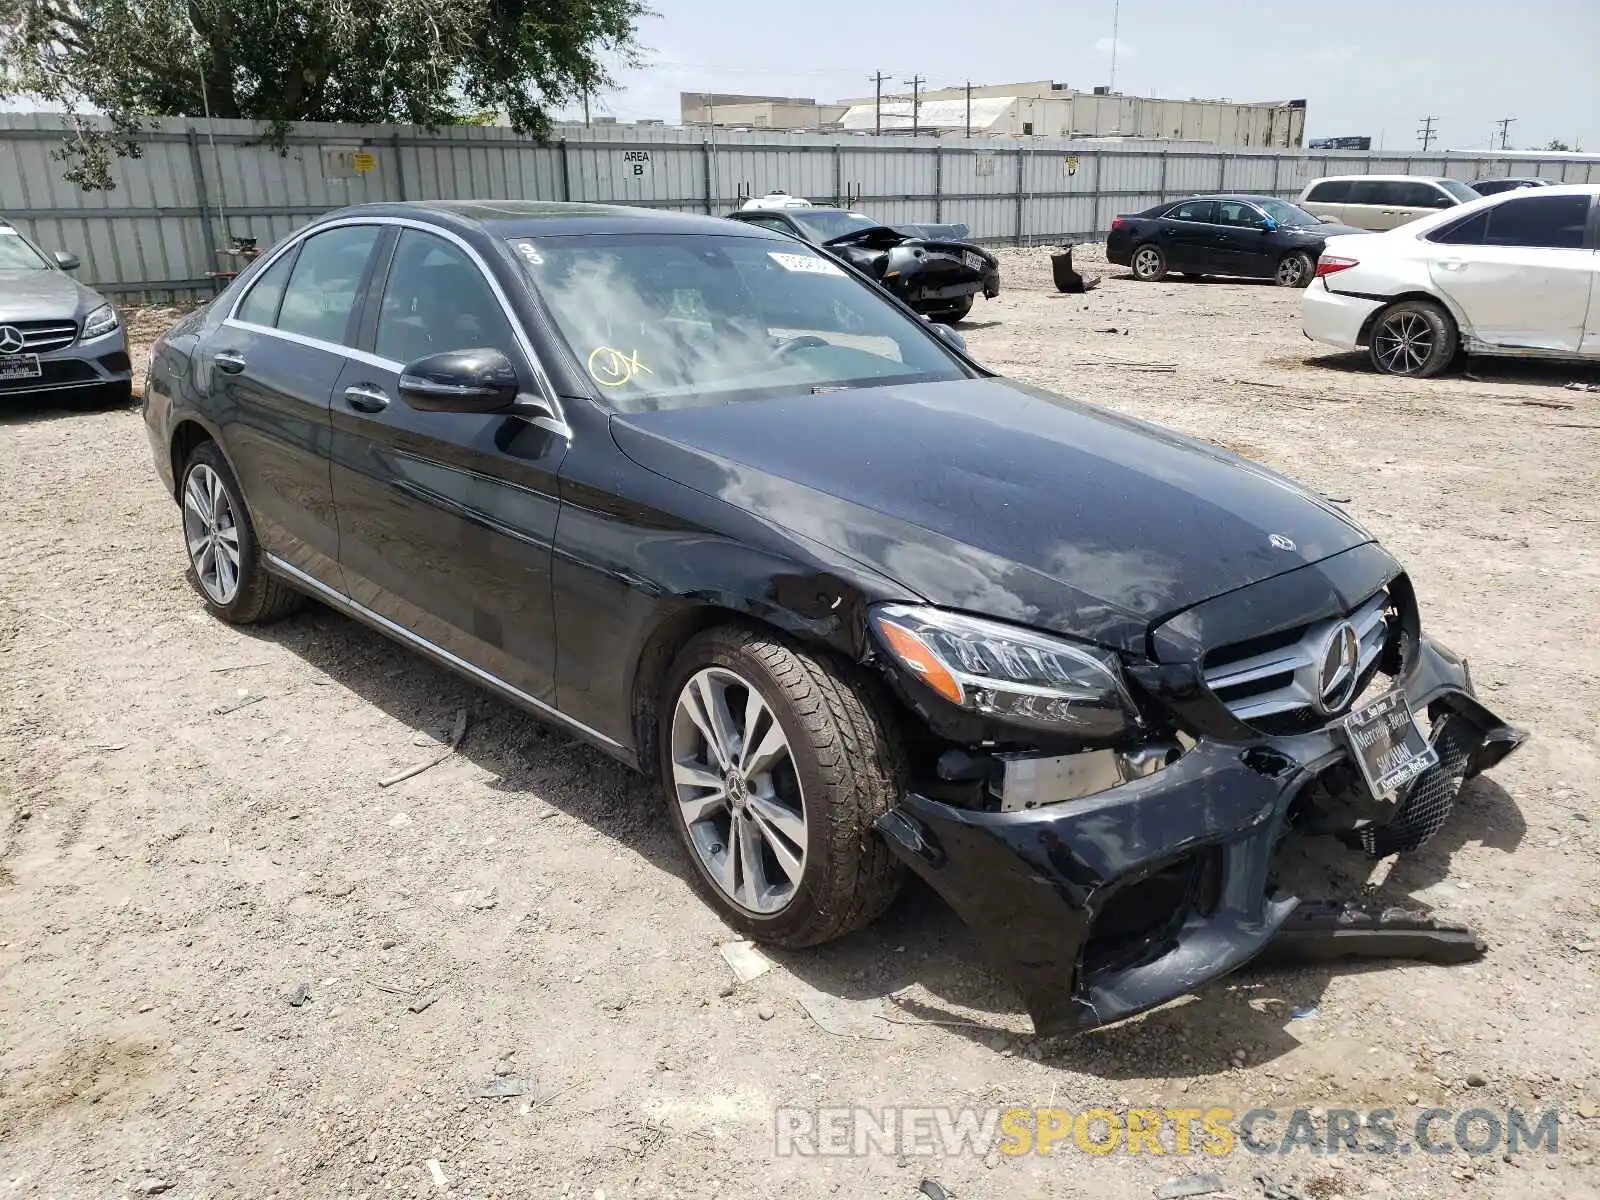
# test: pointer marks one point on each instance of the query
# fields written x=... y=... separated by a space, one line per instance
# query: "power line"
x=916 y=82
x=1426 y=134
x=1505 y=130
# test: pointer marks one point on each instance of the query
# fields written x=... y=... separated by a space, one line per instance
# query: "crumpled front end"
x=1108 y=882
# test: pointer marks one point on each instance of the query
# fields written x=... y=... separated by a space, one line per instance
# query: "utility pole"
x=916 y=82
x=969 y=108
x=586 y=107
x=1116 y=21
x=877 y=107
x=1505 y=131
x=1426 y=134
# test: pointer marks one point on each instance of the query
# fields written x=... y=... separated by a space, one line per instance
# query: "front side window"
x=1556 y=222
x=1419 y=195
x=684 y=320
x=323 y=287
x=1238 y=213
x=437 y=300
x=1457 y=189
x=16 y=254
x=1203 y=211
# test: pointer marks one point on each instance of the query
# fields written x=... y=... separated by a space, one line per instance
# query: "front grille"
x=1273 y=681
x=40 y=337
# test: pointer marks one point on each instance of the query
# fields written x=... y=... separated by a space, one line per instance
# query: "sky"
x=1365 y=67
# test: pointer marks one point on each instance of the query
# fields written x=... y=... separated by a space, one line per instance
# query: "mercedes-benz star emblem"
x=1341 y=660
x=1280 y=542
x=10 y=339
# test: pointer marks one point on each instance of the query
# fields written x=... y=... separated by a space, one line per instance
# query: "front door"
x=1522 y=272
x=1243 y=246
x=446 y=519
x=271 y=367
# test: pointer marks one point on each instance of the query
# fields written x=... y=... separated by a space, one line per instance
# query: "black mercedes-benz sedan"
x=1249 y=237
x=709 y=500
x=933 y=271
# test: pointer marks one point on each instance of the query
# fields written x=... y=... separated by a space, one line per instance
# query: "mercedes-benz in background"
x=696 y=493
x=57 y=336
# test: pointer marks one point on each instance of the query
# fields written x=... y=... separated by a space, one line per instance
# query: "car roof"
x=1249 y=196
x=531 y=218
x=1387 y=178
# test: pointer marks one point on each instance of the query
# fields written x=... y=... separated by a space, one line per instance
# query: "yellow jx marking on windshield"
x=612 y=368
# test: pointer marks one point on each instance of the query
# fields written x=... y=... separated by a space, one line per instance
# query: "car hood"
x=996 y=498
x=42 y=295
x=1327 y=230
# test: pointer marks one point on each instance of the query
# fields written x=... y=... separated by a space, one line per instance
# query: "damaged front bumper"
x=1100 y=907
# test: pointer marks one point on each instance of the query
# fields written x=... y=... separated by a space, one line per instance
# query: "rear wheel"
x=1149 y=264
x=951 y=315
x=222 y=545
x=1294 y=270
x=776 y=766
x=1414 y=338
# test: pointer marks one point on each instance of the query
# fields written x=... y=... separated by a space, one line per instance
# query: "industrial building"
x=1038 y=109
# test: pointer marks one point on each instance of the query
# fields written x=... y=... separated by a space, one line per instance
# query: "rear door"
x=1188 y=236
x=446 y=519
x=1521 y=272
x=270 y=370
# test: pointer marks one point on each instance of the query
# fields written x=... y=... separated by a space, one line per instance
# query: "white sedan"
x=1513 y=274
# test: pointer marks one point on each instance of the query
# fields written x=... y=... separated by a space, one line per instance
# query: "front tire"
x=1412 y=338
x=951 y=316
x=776 y=765
x=223 y=552
x=1149 y=264
x=1295 y=270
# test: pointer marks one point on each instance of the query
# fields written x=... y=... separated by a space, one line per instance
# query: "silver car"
x=57 y=337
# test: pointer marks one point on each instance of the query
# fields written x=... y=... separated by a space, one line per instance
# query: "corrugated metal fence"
x=198 y=183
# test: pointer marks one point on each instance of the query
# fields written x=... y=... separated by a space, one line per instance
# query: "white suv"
x=1380 y=202
x=1515 y=274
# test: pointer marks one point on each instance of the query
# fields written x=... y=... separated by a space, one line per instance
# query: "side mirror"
x=66 y=260
x=950 y=335
x=461 y=381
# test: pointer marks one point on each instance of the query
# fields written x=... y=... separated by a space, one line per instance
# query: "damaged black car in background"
x=701 y=496
x=930 y=267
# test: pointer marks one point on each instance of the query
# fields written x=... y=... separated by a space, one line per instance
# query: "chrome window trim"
x=353 y=608
x=541 y=377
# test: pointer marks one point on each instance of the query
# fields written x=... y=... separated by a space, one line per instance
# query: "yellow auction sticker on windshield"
x=806 y=264
x=610 y=367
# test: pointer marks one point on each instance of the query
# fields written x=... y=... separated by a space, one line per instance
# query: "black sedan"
x=938 y=276
x=697 y=494
x=1493 y=187
x=1250 y=237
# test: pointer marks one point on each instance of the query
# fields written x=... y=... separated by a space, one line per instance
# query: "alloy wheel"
x=1291 y=271
x=1404 y=342
x=211 y=531
x=1146 y=263
x=737 y=790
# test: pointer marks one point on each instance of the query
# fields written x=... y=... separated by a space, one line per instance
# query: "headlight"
x=102 y=320
x=1008 y=673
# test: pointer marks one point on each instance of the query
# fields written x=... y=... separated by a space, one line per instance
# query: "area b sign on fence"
x=636 y=163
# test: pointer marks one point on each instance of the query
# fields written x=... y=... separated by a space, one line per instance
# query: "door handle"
x=230 y=362
x=1452 y=264
x=363 y=397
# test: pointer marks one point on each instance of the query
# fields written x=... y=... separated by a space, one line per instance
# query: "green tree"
x=1557 y=144
x=109 y=63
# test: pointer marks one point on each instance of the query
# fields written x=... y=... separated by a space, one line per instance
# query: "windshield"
x=17 y=255
x=1457 y=189
x=825 y=223
x=679 y=321
x=1285 y=213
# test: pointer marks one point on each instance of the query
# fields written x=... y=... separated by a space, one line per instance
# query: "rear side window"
x=260 y=307
x=1469 y=232
x=1372 y=191
x=1329 y=191
x=1557 y=222
x=437 y=300
x=1194 y=210
x=326 y=280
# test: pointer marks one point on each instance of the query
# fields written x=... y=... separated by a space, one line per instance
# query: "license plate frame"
x=1387 y=745
x=20 y=366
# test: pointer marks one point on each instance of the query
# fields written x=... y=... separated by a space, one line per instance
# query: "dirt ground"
x=194 y=831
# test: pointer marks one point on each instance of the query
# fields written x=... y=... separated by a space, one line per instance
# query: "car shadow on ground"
x=919 y=947
x=34 y=410
x=1550 y=373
